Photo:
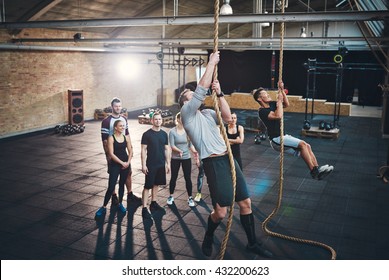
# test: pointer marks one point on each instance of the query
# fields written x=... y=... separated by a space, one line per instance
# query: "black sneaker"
x=154 y=206
x=206 y=247
x=315 y=172
x=257 y=249
x=131 y=197
x=146 y=214
x=115 y=200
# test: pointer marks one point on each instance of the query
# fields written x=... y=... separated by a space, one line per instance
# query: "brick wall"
x=34 y=85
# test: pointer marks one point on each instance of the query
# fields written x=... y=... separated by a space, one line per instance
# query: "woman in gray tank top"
x=181 y=148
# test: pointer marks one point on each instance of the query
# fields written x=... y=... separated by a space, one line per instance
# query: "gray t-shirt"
x=181 y=142
x=202 y=126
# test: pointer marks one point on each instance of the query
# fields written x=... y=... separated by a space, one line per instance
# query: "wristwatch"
x=220 y=95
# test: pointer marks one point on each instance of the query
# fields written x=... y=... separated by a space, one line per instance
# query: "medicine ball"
x=57 y=129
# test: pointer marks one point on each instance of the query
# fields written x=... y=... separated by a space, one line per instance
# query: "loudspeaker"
x=76 y=107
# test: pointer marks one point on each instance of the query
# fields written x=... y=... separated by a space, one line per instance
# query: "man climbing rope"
x=271 y=113
x=203 y=131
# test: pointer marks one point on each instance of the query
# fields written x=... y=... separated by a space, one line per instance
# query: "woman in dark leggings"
x=181 y=148
x=119 y=149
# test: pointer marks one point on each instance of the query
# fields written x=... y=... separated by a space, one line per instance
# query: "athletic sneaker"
x=146 y=213
x=154 y=206
x=101 y=212
x=319 y=173
x=206 y=247
x=191 y=202
x=131 y=197
x=197 y=197
x=170 y=200
x=122 y=208
x=257 y=249
x=115 y=200
x=324 y=171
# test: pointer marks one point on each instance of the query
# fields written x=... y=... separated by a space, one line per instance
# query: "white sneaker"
x=170 y=200
x=197 y=197
x=324 y=171
x=191 y=202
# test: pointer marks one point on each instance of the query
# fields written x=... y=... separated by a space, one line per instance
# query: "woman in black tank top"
x=119 y=149
x=235 y=134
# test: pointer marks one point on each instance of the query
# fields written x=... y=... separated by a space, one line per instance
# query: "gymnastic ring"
x=338 y=58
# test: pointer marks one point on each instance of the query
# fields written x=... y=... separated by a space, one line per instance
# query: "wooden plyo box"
x=143 y=119
x=167 y=121
x=103 y=115
x=321 y=133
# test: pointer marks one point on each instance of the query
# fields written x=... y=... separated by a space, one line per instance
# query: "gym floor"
x=52 y=185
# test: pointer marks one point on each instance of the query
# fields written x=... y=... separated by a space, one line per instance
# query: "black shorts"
x=218 y=172
x=156 y=176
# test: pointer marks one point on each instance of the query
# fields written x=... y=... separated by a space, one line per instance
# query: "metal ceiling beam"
x=192 y=48
x=40 y=9
x=151 y=8
x=36 y=12
x=199 y=20
x=196 y=40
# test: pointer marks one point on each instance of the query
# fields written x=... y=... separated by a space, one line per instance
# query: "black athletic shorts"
x=156 y=176
x=218 y=172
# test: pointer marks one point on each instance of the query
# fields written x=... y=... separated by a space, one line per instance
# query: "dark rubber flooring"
x=52 y=185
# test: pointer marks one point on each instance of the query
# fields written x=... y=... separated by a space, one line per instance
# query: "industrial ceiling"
x=254 y=24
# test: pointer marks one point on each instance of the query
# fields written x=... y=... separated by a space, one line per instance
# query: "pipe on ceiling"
x=192 y=48
x=84 y=49
x=159 y=41
x=199 y=20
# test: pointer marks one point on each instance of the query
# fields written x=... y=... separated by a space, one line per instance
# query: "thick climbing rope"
x=281 y=179
x=225 y=137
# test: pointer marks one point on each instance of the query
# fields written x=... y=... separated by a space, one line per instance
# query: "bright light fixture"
x=303 y=34
x=226 y=9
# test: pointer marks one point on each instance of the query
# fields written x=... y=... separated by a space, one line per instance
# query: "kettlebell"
x=307 y=125
x=327 y=126
x=322 y=124
x=257 y=139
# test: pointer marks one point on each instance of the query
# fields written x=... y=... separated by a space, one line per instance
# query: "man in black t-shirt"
x=155 y=156
x=271 y=113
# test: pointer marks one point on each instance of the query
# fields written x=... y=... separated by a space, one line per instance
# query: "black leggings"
x=114 y=172
x=186 y=168
x=200 y=177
